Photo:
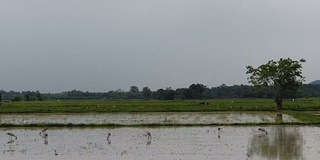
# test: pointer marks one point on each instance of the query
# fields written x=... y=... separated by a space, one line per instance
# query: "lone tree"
x=281 y=76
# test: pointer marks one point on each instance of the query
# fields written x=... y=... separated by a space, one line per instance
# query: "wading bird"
x=11 y=141
x=220 y=128
x=262 y=130
x=108 y=138
x=44 y=130
x=43 y=133
x=12 y=135
x=148 y=134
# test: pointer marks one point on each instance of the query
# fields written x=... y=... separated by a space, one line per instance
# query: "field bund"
x=147 y=118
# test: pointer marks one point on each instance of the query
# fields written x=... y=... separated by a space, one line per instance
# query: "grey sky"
x=102 y=45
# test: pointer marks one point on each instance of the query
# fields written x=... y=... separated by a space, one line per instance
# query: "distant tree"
x=162 y=94
x=187 y=93
x=75 y=94
x=146 y=93
x=134 y=93
x=169 y=94
x=281 y=76
x=27 y=97
x=17 y=98
x=183 y=93
x=309 y=90
x=196 y=91
x=158 y=94
x=38 y=96
x=134 y=89
x=0 y=99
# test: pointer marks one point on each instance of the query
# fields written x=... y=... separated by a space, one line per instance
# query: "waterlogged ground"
x=147 y=118
x=231 y=142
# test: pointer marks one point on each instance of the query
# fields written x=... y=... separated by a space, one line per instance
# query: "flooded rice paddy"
x=147 y=118
x=229 y=142
x=210 y=142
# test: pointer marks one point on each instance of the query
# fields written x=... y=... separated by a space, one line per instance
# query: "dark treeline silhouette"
x=194 y=91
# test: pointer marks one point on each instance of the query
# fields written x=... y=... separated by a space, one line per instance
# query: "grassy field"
x=83 y=106
x=306 y=110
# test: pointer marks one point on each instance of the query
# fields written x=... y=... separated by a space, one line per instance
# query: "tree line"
x=194 y=91
x=275 y=79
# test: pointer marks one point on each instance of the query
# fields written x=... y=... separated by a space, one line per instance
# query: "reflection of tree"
x=281 y=143
x=279 y=118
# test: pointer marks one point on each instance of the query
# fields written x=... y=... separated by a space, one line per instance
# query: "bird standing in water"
x=12 y=135
x=44 y=130
x=43 y=133
x=148 y=134
x=108 y=138
x=262 y=130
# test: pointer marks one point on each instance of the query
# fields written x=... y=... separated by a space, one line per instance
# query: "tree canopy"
x=283 y=75
x=219 y=92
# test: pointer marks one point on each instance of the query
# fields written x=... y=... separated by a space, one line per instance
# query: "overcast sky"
x=102 y=45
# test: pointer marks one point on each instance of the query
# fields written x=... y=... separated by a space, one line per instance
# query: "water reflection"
x=279 y=118
x=229 y=142
x=10 y=141
x=11 y=148
x=148 y=142
x=281 y=143
x=45 y=141
x=55 y=152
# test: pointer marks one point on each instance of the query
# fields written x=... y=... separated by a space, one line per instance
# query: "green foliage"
x=134 y=93
x=146 y=93
x=27 y=98
x=167 y=94
x=134 y=89
x=17 y=98
x=196 y=91
x=310 y=90
x=282 y=76
x=220 y=92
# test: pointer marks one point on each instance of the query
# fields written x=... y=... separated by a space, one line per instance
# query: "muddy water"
x=231 y=142
x=147 y=118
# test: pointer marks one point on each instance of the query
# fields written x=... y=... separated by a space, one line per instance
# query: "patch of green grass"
x=305 y=117
x=303 y=109
x=82 y=106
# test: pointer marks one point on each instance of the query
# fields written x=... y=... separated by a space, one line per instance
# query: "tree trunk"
x=279 y=102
